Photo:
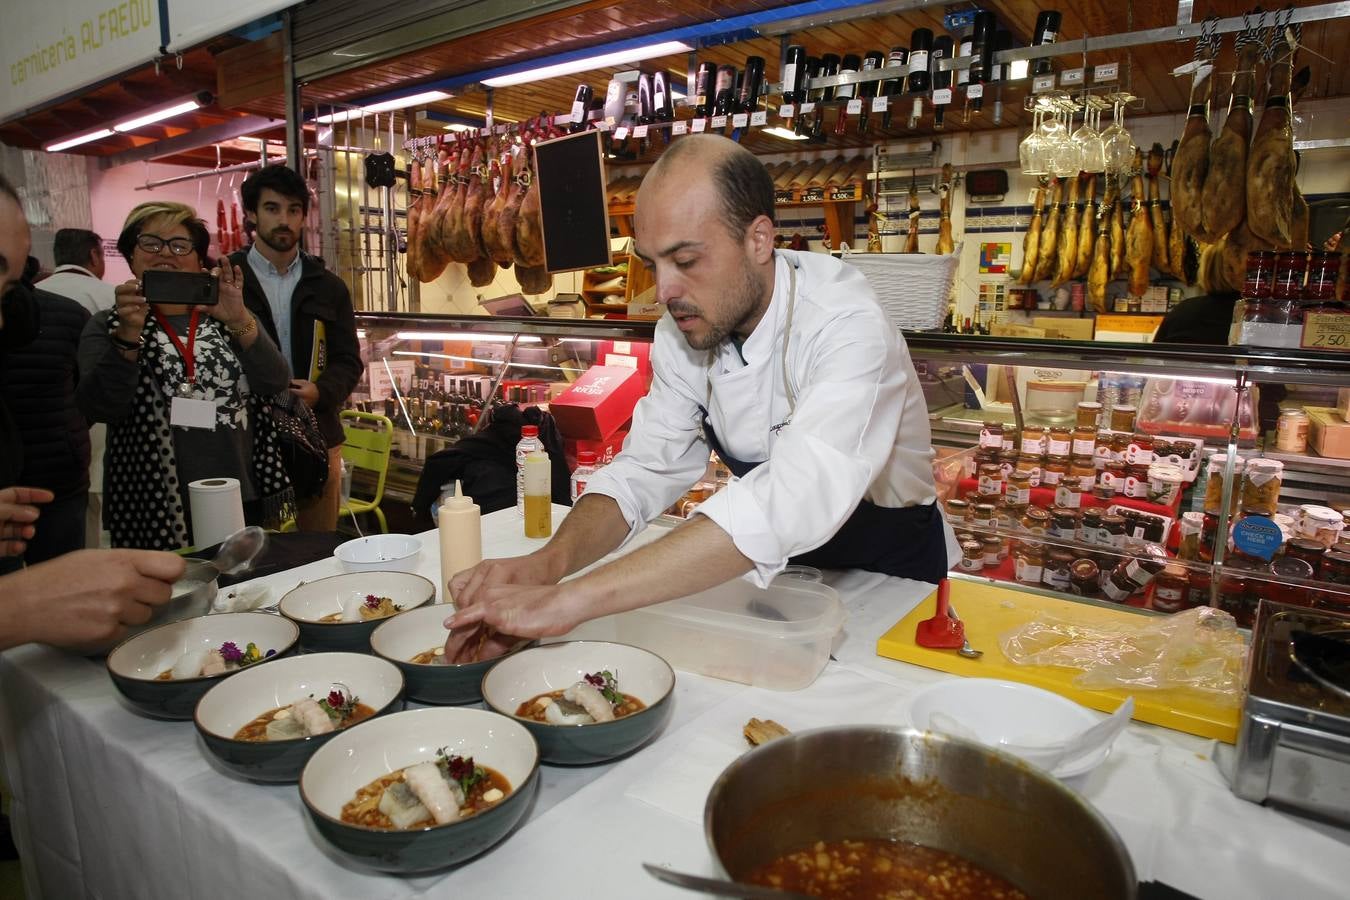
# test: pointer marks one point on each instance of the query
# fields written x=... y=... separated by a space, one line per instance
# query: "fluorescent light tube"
x=383 y=106
x=76 y=141
x=784 y=133
x=599 y=61
x=166 y=113
x=463 y=336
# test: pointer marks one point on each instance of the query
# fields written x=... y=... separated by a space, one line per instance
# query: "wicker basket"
x=913 y=287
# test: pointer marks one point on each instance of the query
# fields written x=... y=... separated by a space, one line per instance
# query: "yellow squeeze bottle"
x=538 y=495
x=459 y=522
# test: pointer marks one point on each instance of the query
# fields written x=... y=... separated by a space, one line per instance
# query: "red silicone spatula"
x=941 y=632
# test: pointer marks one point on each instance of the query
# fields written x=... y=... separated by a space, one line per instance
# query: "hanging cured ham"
x=1176 y=236
x=1224 y=198
x=1099 y=272
x=912 y=238
x=1117 y=232
x=431 y=250
x=516 y=187
x=1068 y=238
x=1045 y=256
x=944 y=241
x=462 y=242
x=1031 y=244
x=1139 y=239
x=481 y=271
x=475 y=198
x=534 y=279
x=412 y=257
x=1155 y=213
x=1270 y=163
x=1087 y=230
x=499 y=192
x=530 y=229
x=1191 y=163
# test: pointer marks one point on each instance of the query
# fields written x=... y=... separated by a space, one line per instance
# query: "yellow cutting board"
x=990 y=611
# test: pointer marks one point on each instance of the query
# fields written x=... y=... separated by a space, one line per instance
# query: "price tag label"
x=880 y=104
x=700 y=125
x=975 y=91
x=1326 y=331
x=1042 y=83
x=680 y=127
x=740 y=120
x=786 y=110
x=759 y=118
x=621 y=133
x=942 y=96
x=640 y=131
x=1071 y=76
x=602 y=125
x=719 y=121
x=854 y=107
x=1105 y=72
x=808 y=107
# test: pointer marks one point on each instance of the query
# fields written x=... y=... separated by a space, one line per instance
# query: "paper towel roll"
x=217 y=510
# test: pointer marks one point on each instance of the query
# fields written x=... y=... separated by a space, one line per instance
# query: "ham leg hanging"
x=1068 y=238
x=1191 y=163
x=912 y=238
x=1139 y=239
x=530 y=228
x=1224 y=198
x=944 y=242
x=1045 y=256
x=1117 y=232
x=1271 y=163
x=1031 y=244
x=1087 y=231
x=1155 y=213
x=1099 y=272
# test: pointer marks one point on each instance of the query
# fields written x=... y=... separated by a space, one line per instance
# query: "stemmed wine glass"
x=1119 y=146
x=1066 y=157
x=1031 y=151
x=1091 y=150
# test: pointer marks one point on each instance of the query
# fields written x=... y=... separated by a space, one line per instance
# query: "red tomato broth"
x=364 y=809
x=257 y=729
x=531 y=710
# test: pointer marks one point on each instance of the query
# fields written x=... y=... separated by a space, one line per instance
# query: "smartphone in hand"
x=175 y=287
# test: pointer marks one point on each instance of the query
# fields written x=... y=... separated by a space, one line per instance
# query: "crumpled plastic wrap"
x=1200 y=650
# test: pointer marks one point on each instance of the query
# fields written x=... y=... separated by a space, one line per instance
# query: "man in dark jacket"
x=37 y=384
x=307 y=310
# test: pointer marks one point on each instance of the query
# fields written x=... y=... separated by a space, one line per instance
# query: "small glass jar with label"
x=1122 y=417
x=1237 y=599
x=1262 y=480
x=1064 y=523
x=1260 y=275
x=1214 y=484
x=958 y=511
x=1111 y=532
x=1197 y=588
x=1321 y=524
x=1135 y=484
x=1018 y=491
x=1164 y=483
x=1055 y=572
x=995 y=550
x=972 y=556
x=1028 y=562
x=1085 y=578
x=1171 y=589
x=1110 y=480
x=1033 y=440
x=1139 y=450
x=990 y=479
x=1033 y=466
x=1036 y=520
x=1011 y=437
x=1309 y=551
x=1291 y=268
x=1058 y=441
x=1083 y=441
x=1120 y=447
x=1101 y=453
x=1291 y=431
x=1007 y=461
x=1091 y=527
x=1118 y=588
x=1335 y=567
x=1054 y=471
x=1088 y=415
x=1083 y=468
x=982 y=515
x=1323 y=269
x=1188 y=541
x=991 y=436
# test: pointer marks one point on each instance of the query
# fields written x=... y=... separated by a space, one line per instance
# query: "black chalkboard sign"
x=572 y=201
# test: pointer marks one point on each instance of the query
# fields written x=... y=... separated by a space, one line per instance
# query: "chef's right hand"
x=85 y=600
x=132 y=310
x=531 y=569
x=18 y=512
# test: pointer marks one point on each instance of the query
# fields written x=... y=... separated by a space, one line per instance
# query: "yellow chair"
x=367 y=447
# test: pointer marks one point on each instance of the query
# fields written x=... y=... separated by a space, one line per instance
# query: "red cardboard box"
x=598 y=403
x=604 y=450
x=631 y=354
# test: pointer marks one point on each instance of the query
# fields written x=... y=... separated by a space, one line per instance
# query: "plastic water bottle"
x=586 y=467
x=529 y=443
x=345 y=485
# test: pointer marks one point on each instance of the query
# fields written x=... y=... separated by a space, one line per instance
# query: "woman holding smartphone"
x=182 y=387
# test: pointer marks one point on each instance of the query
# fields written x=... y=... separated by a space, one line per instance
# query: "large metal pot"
x=857 y=782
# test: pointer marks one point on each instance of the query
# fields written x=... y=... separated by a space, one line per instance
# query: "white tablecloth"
x=109 y=804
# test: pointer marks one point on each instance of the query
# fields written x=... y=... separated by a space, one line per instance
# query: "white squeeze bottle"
x=529 y=442
x=459 y=522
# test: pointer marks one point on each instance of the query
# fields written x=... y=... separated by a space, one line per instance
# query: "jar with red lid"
x=1135 y=483
x=1291 y=269
x=1171 y=589
x=1260 y=275
x=1139 y=450
x=1323 y=269
x=1237 y=598
x=1308 y=550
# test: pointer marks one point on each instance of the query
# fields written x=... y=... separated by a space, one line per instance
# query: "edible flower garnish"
x=340 y=702
x=608 y=686
x=461 y=769
x=231 y=653
x=373 y=602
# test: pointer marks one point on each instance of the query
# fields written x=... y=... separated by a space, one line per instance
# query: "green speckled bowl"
x=308 y=603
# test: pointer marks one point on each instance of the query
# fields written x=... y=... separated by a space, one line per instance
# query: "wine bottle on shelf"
x=661 y=98
x=982 y=49
x=704 y=87
x=963 y=49
x=1046 y=32
x=724 y=96
x=646 y=110
x=850 y=65
x=919 y=81
x=869 y=90
x=999 y=72
x=794 y=75
x=829 y=66
x=752 y=85
x=580 y=104
x=897 y=59
x=942 y=49
x=813 y=69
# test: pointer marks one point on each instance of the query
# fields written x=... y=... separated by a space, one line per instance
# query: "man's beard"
x=270 y=239
x=745 y=299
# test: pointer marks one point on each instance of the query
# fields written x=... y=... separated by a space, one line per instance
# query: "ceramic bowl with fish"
x=342 y=611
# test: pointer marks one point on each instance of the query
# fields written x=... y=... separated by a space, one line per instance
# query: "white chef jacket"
x=859 y=427
x=82 y=286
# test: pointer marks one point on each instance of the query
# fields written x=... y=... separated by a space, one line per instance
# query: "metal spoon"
x=966 y=650
x=237 y=552
x=720 y=886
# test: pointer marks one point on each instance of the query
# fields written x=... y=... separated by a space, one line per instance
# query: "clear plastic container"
x=778 y=639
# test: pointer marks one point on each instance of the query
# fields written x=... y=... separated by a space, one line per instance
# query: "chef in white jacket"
x=784 y=364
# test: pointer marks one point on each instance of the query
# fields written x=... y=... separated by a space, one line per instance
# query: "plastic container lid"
x=585 y=457
x=529 y=431
x=789 y=609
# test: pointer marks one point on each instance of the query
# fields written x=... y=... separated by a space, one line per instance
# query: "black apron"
x=907 y=542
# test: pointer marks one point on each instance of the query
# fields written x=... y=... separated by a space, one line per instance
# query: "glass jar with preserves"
x=1291 y=268
x=1110 y=480
x=1030 y=464
x=1064 y=523
x=1084 y=468
x=1018 y=491
x=972 y=556
x=1320 y=523
x=982 y=515
x=1083 y=441
x=1011 y=436
x=1260 y=275
x=1112 y=530
x=1197 y=588
x=985 y=458
x=991 y=436
x=1058 y=441
x=1139 y=450
x=1122 y=417
x=1309 y=551
x=1116 y=587
x=1335 y=567
x=1323 y=268
x=1188 y=543
x=1171 y=589
x=1007 y=518
x=1033 y=440
x=1085 y=578
x=1036 y=520
x=1261 y=483
x=1054 y=471
x=1162 y=449
x=1135 y=483
x=1185 y=453
x=1028 y=562
x=1055 y=572
x=1088 y=414
x=1214 y=484
x=1091 y=527
x=1237 y=599
x=1069 y=492
x=1007 y=461
x=1291 y=431
x=1120 y=447
x=1209 y=537
x=995 y=550
x=957 y=511
x=990 y=479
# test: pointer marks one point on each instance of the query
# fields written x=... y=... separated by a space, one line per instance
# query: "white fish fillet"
x=566 y=713
x=287 y=729
x=401 y=805
x=189 y=665
x=425 y=781
x=311 y=717
x=588 y=698
x=214 y=664
x=351 y=607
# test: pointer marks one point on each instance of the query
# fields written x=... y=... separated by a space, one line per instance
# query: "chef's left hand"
x=306 y=391
x=529 y=611
x=230 y=309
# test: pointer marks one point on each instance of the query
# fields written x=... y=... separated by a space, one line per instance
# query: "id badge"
x=185 y=412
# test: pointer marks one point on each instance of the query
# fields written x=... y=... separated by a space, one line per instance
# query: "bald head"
x=739 y=180
x=14 y=238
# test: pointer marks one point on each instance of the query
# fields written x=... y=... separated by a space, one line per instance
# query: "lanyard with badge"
x=185 y=410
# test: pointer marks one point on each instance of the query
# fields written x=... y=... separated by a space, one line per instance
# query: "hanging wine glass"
x=1118 y=144
x=1066 y=156
x=1091 y=153
x=1030 y=151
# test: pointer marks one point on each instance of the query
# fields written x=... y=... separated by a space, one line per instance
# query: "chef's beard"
x=741 y=305
x=283 y=243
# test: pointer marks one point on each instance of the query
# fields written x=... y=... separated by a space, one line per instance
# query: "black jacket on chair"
x=320 y=296
x=37 y=385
